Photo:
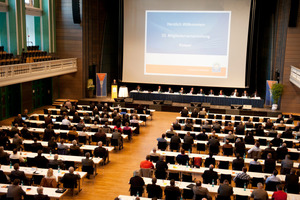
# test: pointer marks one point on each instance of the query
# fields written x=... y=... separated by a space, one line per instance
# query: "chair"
x=114 y=142
x=289 y=144
x=94 y=130
x=255 y=119
x=82 y=139
x=246 y=118
x=146 y=172
x=71 y=137
x=45 y=111
x=271 y=185
x=63 y=135
x=218 y=116
x=200 y=147
x=211 y=116
x=187 y=194
x=36 y=135
x=240 y=182
x=95 y=139
x=31 y=162
x=256 y=180
x=187 y=147
x=64 y=127
x=227 y=117
x=14 y=161
x=255 y=168
x=154 y=158
x=170 y=159
x=174 y=176
x=69 y=164
x=174 y=146
x=88 y=169
x=36 y=179
x=197 y=129
x=228 y=151
x=187 y=178
x=237 y=118
x=198 y=121
x=223 y=164
x=41 y=117
x=262 y=141
x=27 y=147
x=162 y=145
x=241 y=197
x=225 y=177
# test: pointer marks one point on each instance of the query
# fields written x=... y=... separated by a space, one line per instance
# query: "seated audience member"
x=288 y=134
x=40 y=195
x=3 y=177
x=35 y=146
x=15 y=155
x=170 y=90
x=210 y=175
x=235 y=93
x=279 y=118
x=57 y=163
x=230 y=137
x=66 y=121
x=242 y=176
x=272 y=132
x=188 y=139
x=213 y=145
x=194 y=113
x=48 y=120
x=75 y=149
x=15 y=191
x=216 y=126
x=4 y=157
x=172 y=192
x=162 y=138
x=210 y=160
x=238 y=163
x=279 y=194
x=202 y=112
x=101 y=152
x=83 y=133
x=48 y=133
x=49 y=180
x=260 y=131
x=259 y=193
x=162 y=142
x=41 y=161
x=18 y=120
x=26 y=134
x=227 y=146
x=69 y=180
x=17 y=174
x=273 y=177
x=52 y=144
x=161 y=168
x=154 y=153
x=277 y=141
x=240 y=129
x=17 y=141
x=4 y=141
x=80 y=124
x=175 y=139
x=249 y=124
x=146 y=164
x=154 y=190
x=271 y=163
x=239 y=147
x=176 y=125
x=182 y=158
x=136 y=184
x=116 y=135
x=184 y=112
x=255 y=151
x=188 y=126
x=127 y=131
x=62 y=148
x=76 y=118
x=68 y=104
x=202 y=136
x=87 y=119
x=201 y=191
x=281 y=125
x=225 y=191
x=15 y=130
x=269 y=124
x=87 y=162
x=229 y=128
x=181 y=91
x=286 y=165
x=292 y=182
x=206 y=126
x=249 y=139
x=268 y=150
x=101 y=135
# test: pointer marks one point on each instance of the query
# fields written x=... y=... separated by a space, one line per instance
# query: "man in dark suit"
x=161 y=168
x=268 y=150
x=184 y=112
x=240 y=129
x=101 y=152
x=182 y=158
x=281 y=151
x=176 y=125
x=48 y=120
x=70 y=179
x=154 y=190
x=35 y=146
x=41 y=161
x=210 y=175
x=48 y=133
x=17 y=174
x=87 y=164
x=76 y=118
x=40 y=195
x=271 y=163
x=172 y=192
x=75 y=149
x=26 y=133
x=238 y=163
x=235 y=93
x=292 y=182
x=210 y=160
x=15 y=191
x=175 y=139
x=188 y=139
x=170 y=90
x=225 y=191
x=277 y=141
x=55 y=162
x=213 y=145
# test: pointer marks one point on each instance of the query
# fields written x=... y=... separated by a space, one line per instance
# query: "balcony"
x=19 y=73
x=295 y=76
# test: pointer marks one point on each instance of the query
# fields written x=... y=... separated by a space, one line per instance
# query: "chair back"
x=71 y=137
x=228 y=151
x=186 y=146
x=162 y=145
x=187 y=194
x=225 y=177
x=255 y=168
x=174 y=146
x=187 y=178
x=256 y=180
x=271 y=185
x=240 y=182
x=88 y=169
x=114 y=142
x=170 y=159
x=201 y=147
x=223 y=165
x=241 y=197
x=154 y=158
x=36 y=179
x=173 y=175
x=82 y=139
x=146 y=172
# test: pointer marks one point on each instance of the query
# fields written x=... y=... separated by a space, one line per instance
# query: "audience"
x=40 y=195
x=225 y=191
x=154 y=190
x=201 y=191
x=210 y=175
x=15 y=191
x=259 y=193
x=172 y=192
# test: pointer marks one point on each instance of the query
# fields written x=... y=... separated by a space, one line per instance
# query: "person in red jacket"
x=279 y=194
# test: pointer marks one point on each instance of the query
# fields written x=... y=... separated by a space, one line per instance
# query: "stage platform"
x=177 y=107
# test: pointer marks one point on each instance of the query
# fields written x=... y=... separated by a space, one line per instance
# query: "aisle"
x=113 y=179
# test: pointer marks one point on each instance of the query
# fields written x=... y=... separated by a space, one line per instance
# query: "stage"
x=177 y=107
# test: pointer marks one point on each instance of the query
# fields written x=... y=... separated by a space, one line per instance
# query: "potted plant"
x=276 y=90
x=91 y=88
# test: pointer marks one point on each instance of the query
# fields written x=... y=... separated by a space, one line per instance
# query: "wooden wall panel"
x=291 y=94
x=26 y=96
x=69 y=45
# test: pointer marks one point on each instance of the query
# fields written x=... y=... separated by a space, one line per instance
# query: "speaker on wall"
x=76 y=11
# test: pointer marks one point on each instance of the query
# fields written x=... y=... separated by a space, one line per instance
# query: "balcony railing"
x=13 y=74
x=295 y=76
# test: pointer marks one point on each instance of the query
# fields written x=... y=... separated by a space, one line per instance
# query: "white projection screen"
x=190 y=42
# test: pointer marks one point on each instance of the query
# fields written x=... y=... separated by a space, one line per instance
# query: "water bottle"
x=187 y=164
x=137 y=194
x=10 y=165
x=22 y=183
x=181 y=198
x=50 y=153
x=58 y=168
x=245 y=186
x=213 y=183
x=244 y=155
x=285 y=190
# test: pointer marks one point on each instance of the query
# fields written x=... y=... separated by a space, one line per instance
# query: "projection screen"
x=191 y=42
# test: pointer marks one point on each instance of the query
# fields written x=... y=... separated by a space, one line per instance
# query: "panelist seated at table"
x=235 y=93
x=211 y=93
x=181 y=91
x=159 y=89
x=245 y=94
x=191 y=91
x=255 y=95
x=221 y=93
x=138 y=88
x=170 y=90
x=201 y=92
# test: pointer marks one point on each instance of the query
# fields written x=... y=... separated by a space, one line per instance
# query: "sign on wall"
x=101 y=84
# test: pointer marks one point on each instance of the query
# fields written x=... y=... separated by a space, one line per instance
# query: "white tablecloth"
x=123 y=91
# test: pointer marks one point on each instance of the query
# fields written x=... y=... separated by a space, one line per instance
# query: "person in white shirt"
x=235 y=93
x=159 y=89
x=273 y=178
x=191 y=91
x=65 y=121
x=255 y=151
x=254 y=161
x=16 y=155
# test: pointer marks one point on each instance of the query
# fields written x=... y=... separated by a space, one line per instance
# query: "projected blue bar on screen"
x=181 y=43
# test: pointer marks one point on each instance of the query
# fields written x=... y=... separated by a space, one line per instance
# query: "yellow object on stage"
x=114 y=91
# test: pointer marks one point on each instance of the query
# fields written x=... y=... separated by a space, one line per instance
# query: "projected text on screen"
x=180 y=43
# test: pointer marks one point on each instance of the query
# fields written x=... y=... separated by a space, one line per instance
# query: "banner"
x=101 y=84
x=269 y=99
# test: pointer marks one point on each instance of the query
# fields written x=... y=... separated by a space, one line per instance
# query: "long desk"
x=213 y=189
x=217 y=158
x=187 y=98
x=32 y=190
x=125 y=197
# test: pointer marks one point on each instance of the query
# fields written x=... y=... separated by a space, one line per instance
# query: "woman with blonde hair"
x=49 y=180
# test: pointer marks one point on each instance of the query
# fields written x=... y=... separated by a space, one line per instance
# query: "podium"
x=114 y=91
